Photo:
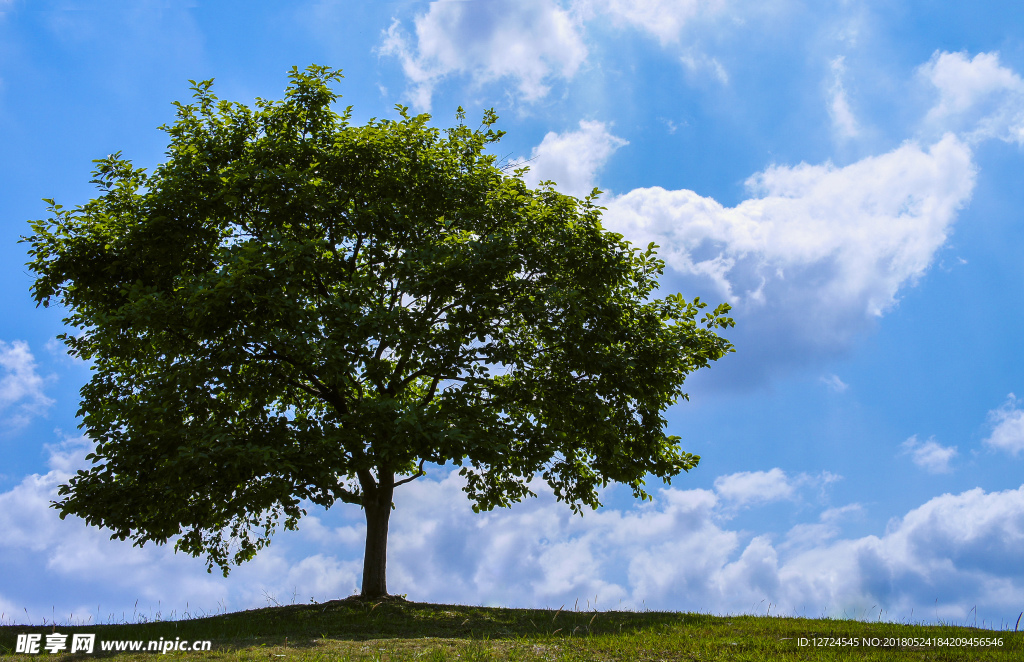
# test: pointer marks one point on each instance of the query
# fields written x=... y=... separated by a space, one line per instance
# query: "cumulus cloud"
x=572 y=159
x=528 y=41
x=533 y=42
x=941 y=559
x=21 y=387
x=747 y=488
x=951 y=553
x=755 y=486
x=97 y=576
x=930 y=455
x=1007 y=427
x=977 y=96
x=70 y=553
x=808 y=536
x=946 y=556
x=818 y=251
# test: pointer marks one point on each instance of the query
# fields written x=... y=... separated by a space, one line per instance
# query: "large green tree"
x=293 y=309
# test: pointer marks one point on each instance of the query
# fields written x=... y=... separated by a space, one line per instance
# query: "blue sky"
x=846 y=174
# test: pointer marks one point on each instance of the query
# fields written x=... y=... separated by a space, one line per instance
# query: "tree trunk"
x=377 y=505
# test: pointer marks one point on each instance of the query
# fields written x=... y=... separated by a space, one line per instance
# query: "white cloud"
x=697 y=63
x=940 y=560
x=21 y=388
x=835 y=384
x=671 y=125
x=530 y=41
x=977 y=96
x=843 y=120
x=820 y=250
x=808 y=536
x=572 y=159
x=747 y=488
x=835 y=514
x=946 y=556
x=533 y=42
x=1007 y=427
x=88 y=568
x=755 y=486
x=664 y=19
x=952 y=553
x=930 y=455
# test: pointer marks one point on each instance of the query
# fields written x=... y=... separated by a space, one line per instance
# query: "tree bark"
x=377 y=505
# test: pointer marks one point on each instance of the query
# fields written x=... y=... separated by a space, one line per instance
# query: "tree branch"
x=322 y=391
x=419 y=472
x=433 y=389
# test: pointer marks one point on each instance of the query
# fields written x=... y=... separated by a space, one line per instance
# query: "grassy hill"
x=399 y=630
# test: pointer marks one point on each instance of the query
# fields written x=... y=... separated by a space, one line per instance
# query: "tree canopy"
x=294 y=309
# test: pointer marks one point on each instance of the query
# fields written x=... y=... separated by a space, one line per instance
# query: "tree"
x=293 y=309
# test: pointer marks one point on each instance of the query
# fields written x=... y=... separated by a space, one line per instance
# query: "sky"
x=846 y=174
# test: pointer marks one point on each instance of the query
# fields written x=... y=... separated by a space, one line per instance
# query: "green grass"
x=396 y=630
